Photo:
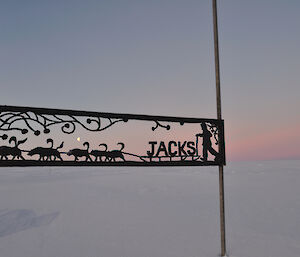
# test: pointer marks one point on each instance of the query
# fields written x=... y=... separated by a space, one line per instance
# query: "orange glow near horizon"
x=281 y=143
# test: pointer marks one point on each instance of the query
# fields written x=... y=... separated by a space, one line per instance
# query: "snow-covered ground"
x=150 y=212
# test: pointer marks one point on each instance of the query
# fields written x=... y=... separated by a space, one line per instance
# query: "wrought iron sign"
x=53 y=137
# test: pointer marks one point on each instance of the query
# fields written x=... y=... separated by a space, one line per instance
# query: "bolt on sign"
x=53 y=137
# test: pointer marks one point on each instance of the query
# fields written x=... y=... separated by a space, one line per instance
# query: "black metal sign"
x=53 y=137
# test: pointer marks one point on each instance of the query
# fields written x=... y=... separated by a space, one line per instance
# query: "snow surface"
x=150 y=212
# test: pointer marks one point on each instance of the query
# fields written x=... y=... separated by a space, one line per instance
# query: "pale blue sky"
x=156 y=57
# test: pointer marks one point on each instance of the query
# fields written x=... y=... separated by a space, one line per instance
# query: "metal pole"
x=219 y=115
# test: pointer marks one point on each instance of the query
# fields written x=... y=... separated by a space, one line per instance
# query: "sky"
x=156 y=57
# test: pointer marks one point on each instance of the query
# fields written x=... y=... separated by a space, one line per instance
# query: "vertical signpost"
x=219 y=116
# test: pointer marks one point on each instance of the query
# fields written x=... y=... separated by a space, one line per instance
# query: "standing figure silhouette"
x=206 y=143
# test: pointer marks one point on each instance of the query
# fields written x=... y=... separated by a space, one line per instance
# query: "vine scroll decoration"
x=20 y=127
x=9 y=120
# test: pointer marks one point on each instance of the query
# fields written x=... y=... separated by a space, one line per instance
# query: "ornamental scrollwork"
x=10 y=121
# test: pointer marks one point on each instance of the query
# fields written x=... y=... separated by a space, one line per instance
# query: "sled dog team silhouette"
x=52 y=154
x=98 y=154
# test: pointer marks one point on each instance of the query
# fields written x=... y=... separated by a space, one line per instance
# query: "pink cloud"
x=281 y=143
